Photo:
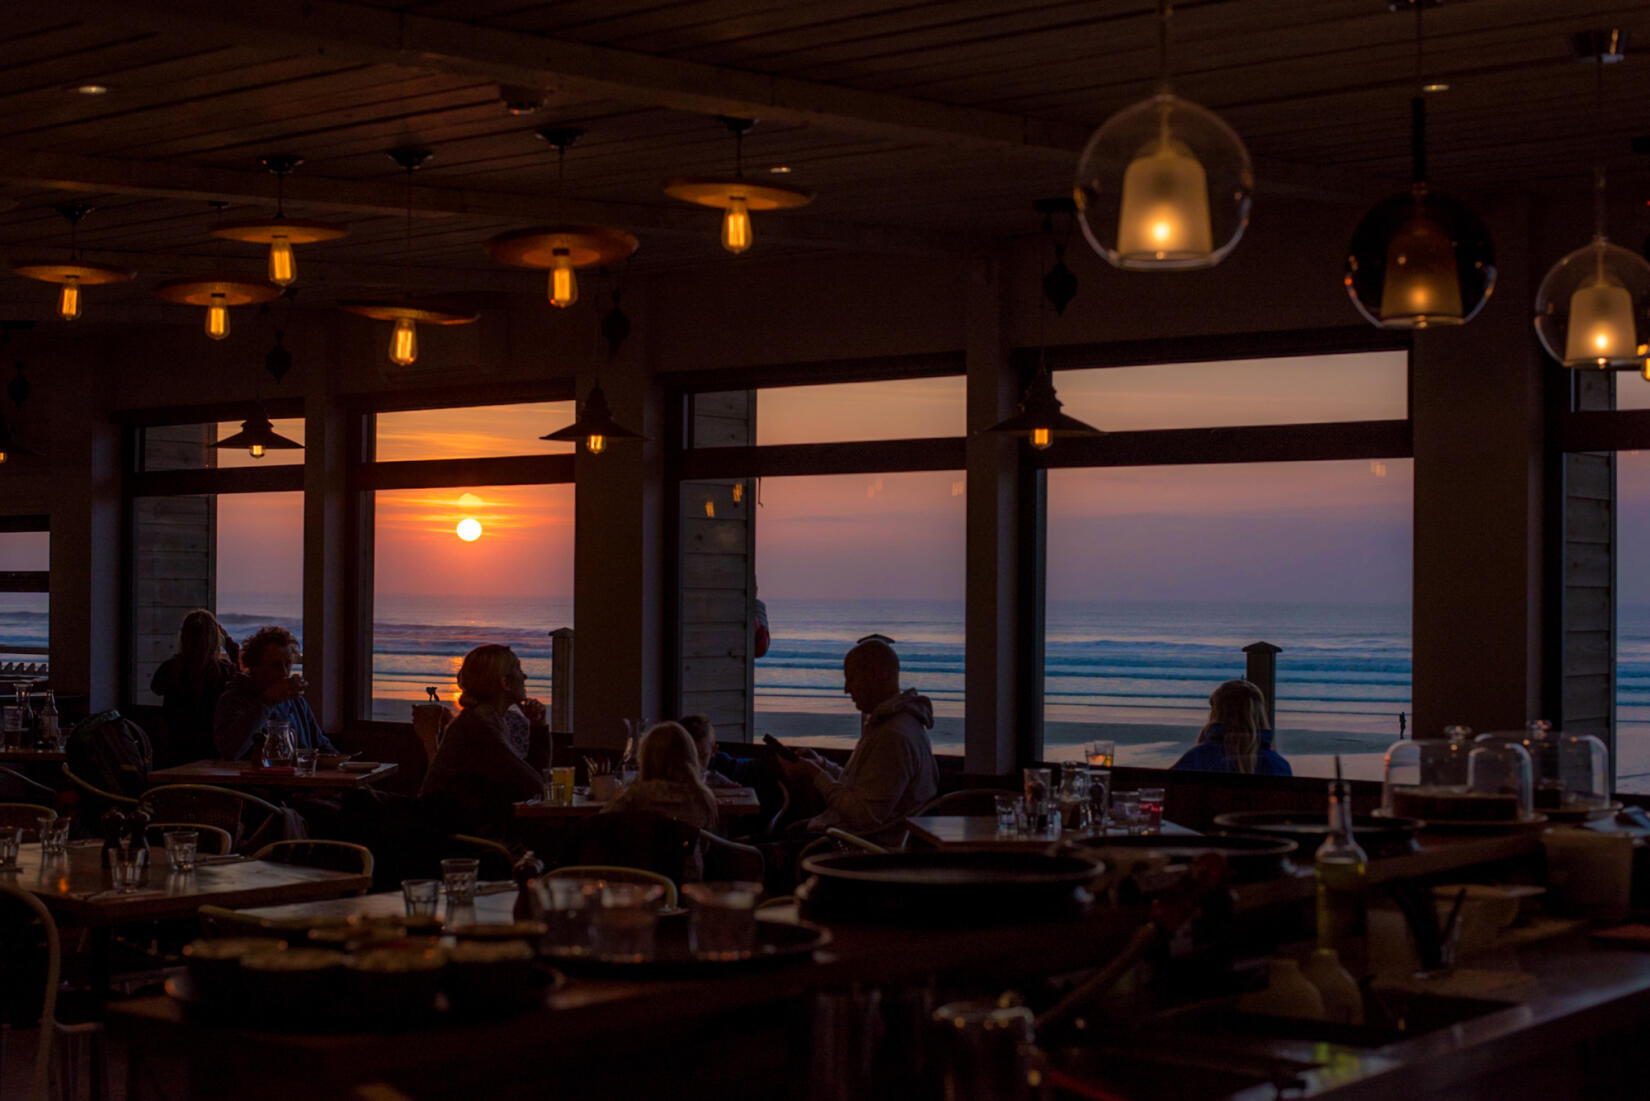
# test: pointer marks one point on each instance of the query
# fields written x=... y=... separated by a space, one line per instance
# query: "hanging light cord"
x=1165 y=12
x=280 y=195
x=1598 y=142
x=739 y=154
x=406 y=239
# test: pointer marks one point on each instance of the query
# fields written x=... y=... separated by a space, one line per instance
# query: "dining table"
x=964 y=831
x=18 y=755
x=732 y=804
x=242 y=774
x=494 y=902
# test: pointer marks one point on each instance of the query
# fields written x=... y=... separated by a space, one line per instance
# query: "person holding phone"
x=892 y=770
x=267 y=691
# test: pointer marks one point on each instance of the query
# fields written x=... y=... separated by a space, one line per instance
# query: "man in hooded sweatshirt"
x=892 y=771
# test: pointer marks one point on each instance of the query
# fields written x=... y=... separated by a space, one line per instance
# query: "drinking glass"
x=1010 y=813
x=623 y=926
x=722 y=919
x=1151 y=809
x=126 y=870
x=303 y=761
x=1100 y=754
x=180 y=849
x=558 y=787
x=1125 y=812
x=54 y=835
x=1075 y=811
x=1099 y=795
x=420 y=896
x=10 y=838
x=566 y=902
x=277 y=751
x=459 y=875
x=1042 y=812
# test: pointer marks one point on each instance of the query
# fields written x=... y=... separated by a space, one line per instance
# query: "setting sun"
x=469 y=529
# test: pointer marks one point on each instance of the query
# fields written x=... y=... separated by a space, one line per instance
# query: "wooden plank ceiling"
x=925 y=126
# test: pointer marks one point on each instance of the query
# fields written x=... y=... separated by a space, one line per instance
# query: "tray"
x=971 y=888
x=776 y=942
x=1479 y=826
x=1583 y=814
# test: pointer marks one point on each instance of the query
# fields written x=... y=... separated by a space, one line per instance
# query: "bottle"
x=1342 y=871
x=1343 y=1003
x=48 y=723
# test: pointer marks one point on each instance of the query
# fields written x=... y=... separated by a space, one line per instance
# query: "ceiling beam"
x=356 y=32
x=174 y=179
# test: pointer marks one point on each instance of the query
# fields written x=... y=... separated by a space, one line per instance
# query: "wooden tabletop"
x=497 y=906
x=77 y=885
x=980 y=832
x=732 y=803
x=28 y=756
x=241 y=774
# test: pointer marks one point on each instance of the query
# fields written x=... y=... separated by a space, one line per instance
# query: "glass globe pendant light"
x=1418 y=258
x=1593 y=307
x=1164 y=185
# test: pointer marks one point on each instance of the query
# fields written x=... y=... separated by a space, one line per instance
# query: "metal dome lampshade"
x=594 y=425
x=1039 y=419
x=258 y=435
x=1164 y=185
x=75 y=273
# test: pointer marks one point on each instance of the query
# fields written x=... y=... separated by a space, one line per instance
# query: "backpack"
x=110 y=752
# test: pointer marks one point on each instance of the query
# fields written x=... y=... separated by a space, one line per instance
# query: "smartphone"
x=779 y=747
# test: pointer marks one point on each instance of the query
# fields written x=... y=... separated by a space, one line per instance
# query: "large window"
x=25 y=563
x=470 y=517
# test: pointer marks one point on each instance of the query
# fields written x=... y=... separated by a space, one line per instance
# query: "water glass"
x=303 y=761
x=459 y=876
x=722 y=919
x=1011 y=814
x=1042 y=811
x=10 y=838
x=1075 y=811
x=623 y=926
x=180 y=849
x=1125 y=812
x=126 y=870
x=1151 y=809
x=565 y=903
x=54 y=835
x=1100 y=754
x=420 y=896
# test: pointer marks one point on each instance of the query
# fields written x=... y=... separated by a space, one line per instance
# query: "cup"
x=561 y=785
x=303 y=761
x=565 y=904
x=1042 y=811
x=180 y=849
x=1076 y=813
x=126 y=870
x=10 y=838
x=1125 y=812
x=1151 y=810
x=54 y=835
x=605 y=788
x=1100 y=754
x=458 y=874
x=623 y=926
x=722 y=919
x=1010 y=813
x=1099 y=794
x=420 y=896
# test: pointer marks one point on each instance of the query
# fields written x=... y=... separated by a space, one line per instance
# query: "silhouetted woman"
x=1236 y=738
x=190 y=682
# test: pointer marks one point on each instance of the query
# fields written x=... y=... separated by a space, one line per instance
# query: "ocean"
x=1343 y=667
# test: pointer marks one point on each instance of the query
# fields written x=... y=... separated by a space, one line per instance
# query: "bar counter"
x=745 y=1034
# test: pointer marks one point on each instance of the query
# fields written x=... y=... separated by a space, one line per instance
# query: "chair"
x=729 y=860
x=24 y=816
x=621 y=875
x=853 y=841
x=225 y=808
x=778 y=818
x=977 y=802
x=89 y=788
x=631 y=839
x=336 y=856
x=37 y=913
x=211 y=842
x=31 y=787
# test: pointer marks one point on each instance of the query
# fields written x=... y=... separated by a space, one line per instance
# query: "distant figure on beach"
x=892 y=771
x=190 y=682
x=1236 y=737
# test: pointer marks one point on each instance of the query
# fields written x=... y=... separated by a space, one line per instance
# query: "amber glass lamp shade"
x=1419 y=259
x=1164 y=185
x=1593 y=307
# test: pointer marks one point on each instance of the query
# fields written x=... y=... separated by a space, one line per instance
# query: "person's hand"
x=811 y=757
x=534 y=710
x=288 y=688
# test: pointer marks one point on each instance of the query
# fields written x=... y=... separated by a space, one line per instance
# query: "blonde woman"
x=476 y=776
x=1237 y=737
x=671 y=783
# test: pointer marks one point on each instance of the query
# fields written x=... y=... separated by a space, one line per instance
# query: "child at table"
x=671 y=783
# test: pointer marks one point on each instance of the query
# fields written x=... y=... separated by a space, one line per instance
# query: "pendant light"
x=735 y=195
x=1164 y=185
x=1419 y=259
x=1039 y=418
x=76 y=273
x=280 y=233
x=258 y=436
x=1593 y=308
x=219 y=296
x=405 y=313
x=562 y=250
x=594 y=425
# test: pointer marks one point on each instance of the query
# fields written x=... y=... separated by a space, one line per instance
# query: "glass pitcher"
x=278 y=750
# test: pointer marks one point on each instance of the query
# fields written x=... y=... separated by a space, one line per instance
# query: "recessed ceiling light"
x=91 y=89
x=1436 y=86
x=780 y=170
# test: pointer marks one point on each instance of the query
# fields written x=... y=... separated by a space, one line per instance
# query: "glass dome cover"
x=1419 y=259
x=1569 y=771
x=1433 y=764
x=1164 y=185
x=1500 y=767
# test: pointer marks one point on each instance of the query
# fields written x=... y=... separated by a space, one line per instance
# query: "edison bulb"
x=736 y=226
x=469 y=529
x=595 y=444
x=564 y=284
x=3 y=456
x=283 y=266
x=404 y=342
x=217 y=318
x=1041 y=438
x=68 y=299
x=256 y=451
